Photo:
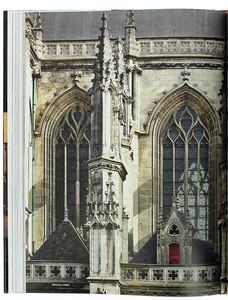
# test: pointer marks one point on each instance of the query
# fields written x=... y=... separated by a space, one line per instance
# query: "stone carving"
x=181 y=46
x=157 y=274
x=70 y=271
x=158 y=47
x=65 y=49
x=131 y=46
x=77 y=49
x=202 y=275
x=145 y=47
x=51 y=49
x=128 y=274
x=211 y=47
x=40 y=271
x=173 y=275
x=28 y=271
x=175 y=230
x=96 y=186
x=199 y=47
x=55 y=271
x=143 y=274
x=185 y=73
x=172 y=47
x=109 y=165
x=185 y=47
x=188 y=275
x=90 y=49
x=101 y=290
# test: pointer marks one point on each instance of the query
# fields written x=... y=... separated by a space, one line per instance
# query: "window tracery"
x=185 y=166
x=72 y=143
x=174 y=230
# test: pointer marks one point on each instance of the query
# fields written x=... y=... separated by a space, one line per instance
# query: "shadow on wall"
x=142 y=206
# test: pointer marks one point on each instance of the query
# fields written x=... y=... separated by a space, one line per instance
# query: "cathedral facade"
x=128 y=153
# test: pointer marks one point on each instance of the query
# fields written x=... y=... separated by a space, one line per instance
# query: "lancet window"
x=72 y=144
x=185 y=147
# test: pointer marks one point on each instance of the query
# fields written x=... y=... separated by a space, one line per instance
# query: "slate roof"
x=64 y=244
x=202 y=253
x=157 y=23
x=148 y=253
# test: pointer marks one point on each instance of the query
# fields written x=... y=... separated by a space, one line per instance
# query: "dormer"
x=174 y=238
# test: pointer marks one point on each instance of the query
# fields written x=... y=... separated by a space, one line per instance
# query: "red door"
x=174 y=254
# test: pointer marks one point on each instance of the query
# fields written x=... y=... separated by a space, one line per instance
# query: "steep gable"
x=64 y=244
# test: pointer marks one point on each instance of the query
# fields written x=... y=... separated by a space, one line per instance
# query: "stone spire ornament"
x=130 y=19
x=37 y=21
x=130 y=35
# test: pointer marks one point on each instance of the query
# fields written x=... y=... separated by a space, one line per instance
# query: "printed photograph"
x=124 y=154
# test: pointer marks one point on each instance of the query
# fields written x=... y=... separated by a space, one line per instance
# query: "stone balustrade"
x=49 y=272
x=82 y=49
x=145 y=47
x=157 y=274
x=181 y=46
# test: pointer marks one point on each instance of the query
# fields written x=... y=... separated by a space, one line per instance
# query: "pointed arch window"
x=185 y=146
x=71 y=147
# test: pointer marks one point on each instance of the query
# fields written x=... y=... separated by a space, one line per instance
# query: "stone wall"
x=163 y=70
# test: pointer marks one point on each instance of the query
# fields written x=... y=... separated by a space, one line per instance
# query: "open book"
x=115 y=158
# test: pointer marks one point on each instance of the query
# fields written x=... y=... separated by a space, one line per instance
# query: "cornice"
x=180 y=65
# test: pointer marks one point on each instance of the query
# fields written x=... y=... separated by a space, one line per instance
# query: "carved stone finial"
x=130 y=19
x=105 y=20
x=37 y=21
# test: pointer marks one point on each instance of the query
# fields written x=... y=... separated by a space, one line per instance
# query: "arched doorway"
x=174 y=254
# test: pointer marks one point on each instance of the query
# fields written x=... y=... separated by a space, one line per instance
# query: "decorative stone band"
x=112 y=165
x=145 y=47
x=47 y=271
x=157 y=274
x=70 y=49
x=174 y=46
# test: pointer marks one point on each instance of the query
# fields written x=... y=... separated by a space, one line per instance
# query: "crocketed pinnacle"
x=37 y=21
x=130 y=19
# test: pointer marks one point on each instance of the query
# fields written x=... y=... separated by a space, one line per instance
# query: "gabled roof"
x=64 y=244
x=202 y=253
x=177 y=215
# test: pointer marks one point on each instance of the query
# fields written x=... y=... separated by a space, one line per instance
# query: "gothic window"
x=72 y=144
x=185 y=166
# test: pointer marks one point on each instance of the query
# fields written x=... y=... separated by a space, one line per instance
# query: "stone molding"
x=188 y=93
x=111 y=165
x=181 y=65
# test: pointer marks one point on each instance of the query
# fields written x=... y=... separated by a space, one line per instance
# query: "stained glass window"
x=71 y=171
x=185 y=166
